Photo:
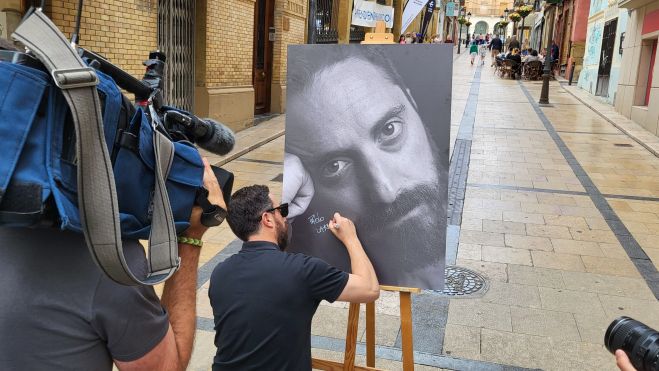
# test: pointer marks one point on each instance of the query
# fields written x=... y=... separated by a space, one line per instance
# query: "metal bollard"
x=544 y=93
x=572 y=73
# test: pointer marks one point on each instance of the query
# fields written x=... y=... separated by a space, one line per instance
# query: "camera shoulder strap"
x=97 y=198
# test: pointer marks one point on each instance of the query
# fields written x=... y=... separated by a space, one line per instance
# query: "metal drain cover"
x=462 y=282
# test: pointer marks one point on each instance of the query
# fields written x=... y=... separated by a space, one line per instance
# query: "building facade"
x=573 y=38
x=225 y=59
x=638 y=90
x=603 y=56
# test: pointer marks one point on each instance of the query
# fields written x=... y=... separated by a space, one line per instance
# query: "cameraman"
x=59 y=311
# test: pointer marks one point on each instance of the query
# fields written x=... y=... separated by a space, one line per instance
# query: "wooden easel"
x=351 y=335
x=377 y=37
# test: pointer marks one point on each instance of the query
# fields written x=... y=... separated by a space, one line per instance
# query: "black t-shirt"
x=515 y=57
x=263 y=301
x=496 y=44
x=58 y=311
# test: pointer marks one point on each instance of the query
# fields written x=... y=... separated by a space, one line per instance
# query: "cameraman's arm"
x=179 y=297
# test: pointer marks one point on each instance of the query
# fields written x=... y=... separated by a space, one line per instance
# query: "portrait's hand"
x=215 y=197
x=298 y=186
x=623 y=362
x=343 y=228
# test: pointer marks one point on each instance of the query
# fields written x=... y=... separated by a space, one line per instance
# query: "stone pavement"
x=558 y=209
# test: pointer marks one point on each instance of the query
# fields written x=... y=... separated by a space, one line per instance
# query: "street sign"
x=367 y=13
x=450 y=9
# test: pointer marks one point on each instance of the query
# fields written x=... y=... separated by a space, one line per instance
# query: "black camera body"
x=179 y=124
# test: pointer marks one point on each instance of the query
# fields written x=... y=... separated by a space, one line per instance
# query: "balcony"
x=633 y=4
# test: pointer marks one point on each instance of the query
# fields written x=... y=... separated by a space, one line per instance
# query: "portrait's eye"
x=389 y=129
x=335 y=168
x=390 y=132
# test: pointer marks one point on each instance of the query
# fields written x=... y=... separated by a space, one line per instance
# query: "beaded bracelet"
x=191 y=241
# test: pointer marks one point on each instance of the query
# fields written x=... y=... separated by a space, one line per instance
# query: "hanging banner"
x=412 y=9
x=367 y=13
x=427 y=16
x=450 y=9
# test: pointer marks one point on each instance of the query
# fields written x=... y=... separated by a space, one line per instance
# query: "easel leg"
x=351 y=338
x=370 y=334
x=406 y=330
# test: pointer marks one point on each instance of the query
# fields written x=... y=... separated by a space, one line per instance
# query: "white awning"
x=539 y=17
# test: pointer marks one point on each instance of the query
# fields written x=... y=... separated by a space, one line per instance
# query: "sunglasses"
x=283 y=209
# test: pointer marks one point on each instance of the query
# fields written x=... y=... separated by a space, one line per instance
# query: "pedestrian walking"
x=473 y=50
x=482 y=50
x=496 y=45
x=401 y=39
x=554 y=51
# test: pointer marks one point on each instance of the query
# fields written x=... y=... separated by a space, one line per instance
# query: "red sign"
x=650 y=22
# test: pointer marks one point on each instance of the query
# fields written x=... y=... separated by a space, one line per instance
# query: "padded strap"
x=97 y=199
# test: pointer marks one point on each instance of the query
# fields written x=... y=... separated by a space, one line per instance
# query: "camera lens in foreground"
x=640 y=342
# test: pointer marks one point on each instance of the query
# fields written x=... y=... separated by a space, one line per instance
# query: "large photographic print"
x=367 y=135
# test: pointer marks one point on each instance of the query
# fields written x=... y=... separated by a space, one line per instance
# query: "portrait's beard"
x=282 y=235
x=407 y=243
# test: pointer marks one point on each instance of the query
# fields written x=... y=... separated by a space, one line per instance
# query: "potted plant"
x=524 y=10
x=515 y=17
x=467 y=23
x=503 y=24
x=462 y=20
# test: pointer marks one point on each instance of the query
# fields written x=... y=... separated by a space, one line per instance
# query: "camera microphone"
x=206 y=133
x=219 y=139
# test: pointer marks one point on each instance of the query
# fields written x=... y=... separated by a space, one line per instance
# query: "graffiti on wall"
x=588 y=76
x=594 y=44
x=588 y=79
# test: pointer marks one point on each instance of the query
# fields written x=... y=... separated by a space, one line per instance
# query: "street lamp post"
x=502 y=28
x=460 y=14
x=544 y=93
x=468 y=24
x=524 y=13
x=505 y=29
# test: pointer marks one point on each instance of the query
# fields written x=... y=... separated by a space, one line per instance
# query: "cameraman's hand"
x=343 y=228
x=215 y=197
x=298 y=186
x=623 y=362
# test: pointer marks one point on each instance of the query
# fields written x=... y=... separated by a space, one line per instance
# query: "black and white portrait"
x=367 y=135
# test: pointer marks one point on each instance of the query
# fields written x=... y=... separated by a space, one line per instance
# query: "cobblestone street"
x=556 y=207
